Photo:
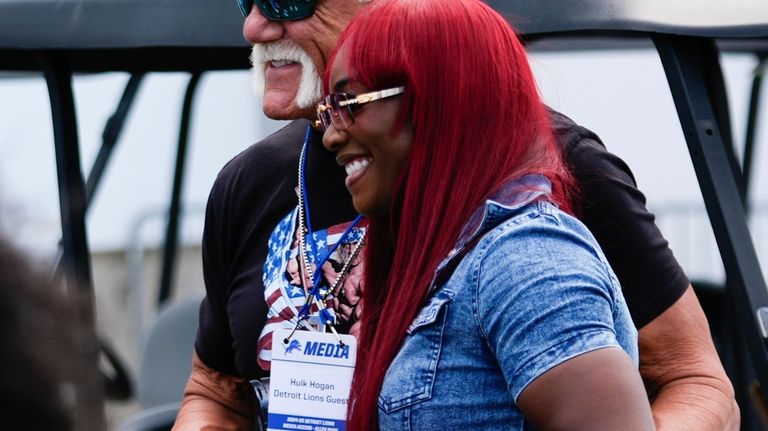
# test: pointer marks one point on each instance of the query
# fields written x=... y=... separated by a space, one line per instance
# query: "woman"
x=486 y=304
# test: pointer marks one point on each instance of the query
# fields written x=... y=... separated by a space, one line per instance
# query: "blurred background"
x=621 y=95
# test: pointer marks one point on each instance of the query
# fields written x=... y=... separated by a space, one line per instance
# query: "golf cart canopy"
x=207 y=34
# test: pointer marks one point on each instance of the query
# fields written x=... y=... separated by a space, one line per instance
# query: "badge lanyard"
x=304 y=211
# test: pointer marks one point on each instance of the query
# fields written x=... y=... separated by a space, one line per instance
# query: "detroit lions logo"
x=293 y=346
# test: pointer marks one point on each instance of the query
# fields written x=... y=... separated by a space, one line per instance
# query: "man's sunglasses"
x=280 y=10
x=338 y=108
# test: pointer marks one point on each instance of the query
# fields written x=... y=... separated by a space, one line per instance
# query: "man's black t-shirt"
x=257 y=189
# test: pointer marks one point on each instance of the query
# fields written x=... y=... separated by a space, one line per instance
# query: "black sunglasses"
x=280 y=10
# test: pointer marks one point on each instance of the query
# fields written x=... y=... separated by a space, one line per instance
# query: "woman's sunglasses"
x=338 y=108
x=280 y=10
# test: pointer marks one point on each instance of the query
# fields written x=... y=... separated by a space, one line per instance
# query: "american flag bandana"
x=285 y=286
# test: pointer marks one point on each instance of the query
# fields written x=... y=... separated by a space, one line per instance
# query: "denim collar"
x=499 y=206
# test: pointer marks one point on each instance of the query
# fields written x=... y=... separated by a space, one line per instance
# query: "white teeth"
x=280 y=63
x=356 y=165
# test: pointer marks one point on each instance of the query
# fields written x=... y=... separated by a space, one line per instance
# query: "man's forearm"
x=214 y=400
x=682 y=373
x=695 y=404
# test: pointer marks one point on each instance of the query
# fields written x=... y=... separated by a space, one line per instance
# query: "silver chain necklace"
x=303 y=231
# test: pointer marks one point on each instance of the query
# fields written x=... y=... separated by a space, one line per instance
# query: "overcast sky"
x=621 y=96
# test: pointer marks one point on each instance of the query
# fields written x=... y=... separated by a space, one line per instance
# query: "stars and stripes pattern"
x=283 y=288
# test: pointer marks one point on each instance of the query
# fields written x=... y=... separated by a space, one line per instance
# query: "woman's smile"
x=355 y=169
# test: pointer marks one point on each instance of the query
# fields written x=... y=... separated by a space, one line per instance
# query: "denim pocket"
x=411 y=374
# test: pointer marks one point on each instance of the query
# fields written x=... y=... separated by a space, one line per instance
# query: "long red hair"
x=477 y=120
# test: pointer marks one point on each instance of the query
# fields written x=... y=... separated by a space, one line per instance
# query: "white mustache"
x=285 y=50
x=310 y=87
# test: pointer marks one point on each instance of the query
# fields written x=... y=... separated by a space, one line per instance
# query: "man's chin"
x=278 y=105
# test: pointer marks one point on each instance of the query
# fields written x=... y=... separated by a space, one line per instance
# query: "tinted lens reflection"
x=342 y=115
x=330 y=112
x=324 y=115
x=283 y=10
x=245 y=6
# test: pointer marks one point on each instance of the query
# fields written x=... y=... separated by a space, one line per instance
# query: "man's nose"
x=258 y=29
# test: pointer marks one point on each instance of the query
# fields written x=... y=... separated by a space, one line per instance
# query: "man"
x=251 y=229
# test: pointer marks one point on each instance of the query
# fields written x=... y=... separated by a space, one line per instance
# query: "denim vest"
x=533 y=291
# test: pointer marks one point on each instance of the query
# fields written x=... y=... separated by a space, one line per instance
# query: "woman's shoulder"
x=538 y=245
x=542 y=226
x=540 y=279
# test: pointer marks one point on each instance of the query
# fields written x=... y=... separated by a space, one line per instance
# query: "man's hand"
x=685 y=380
x=215 y=401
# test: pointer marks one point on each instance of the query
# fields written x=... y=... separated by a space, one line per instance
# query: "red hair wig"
x=477 y=120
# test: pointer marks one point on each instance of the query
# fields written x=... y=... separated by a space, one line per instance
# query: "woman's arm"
x=214 y=400
x=599 y=390
x=555 y=320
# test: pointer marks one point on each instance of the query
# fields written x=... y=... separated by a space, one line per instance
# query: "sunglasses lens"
x=341 y=115
x=285 y=10
x=330 y=112
x=245 y=6
x=324 y=115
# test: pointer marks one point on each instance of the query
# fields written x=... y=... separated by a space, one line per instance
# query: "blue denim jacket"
x=533 y=292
